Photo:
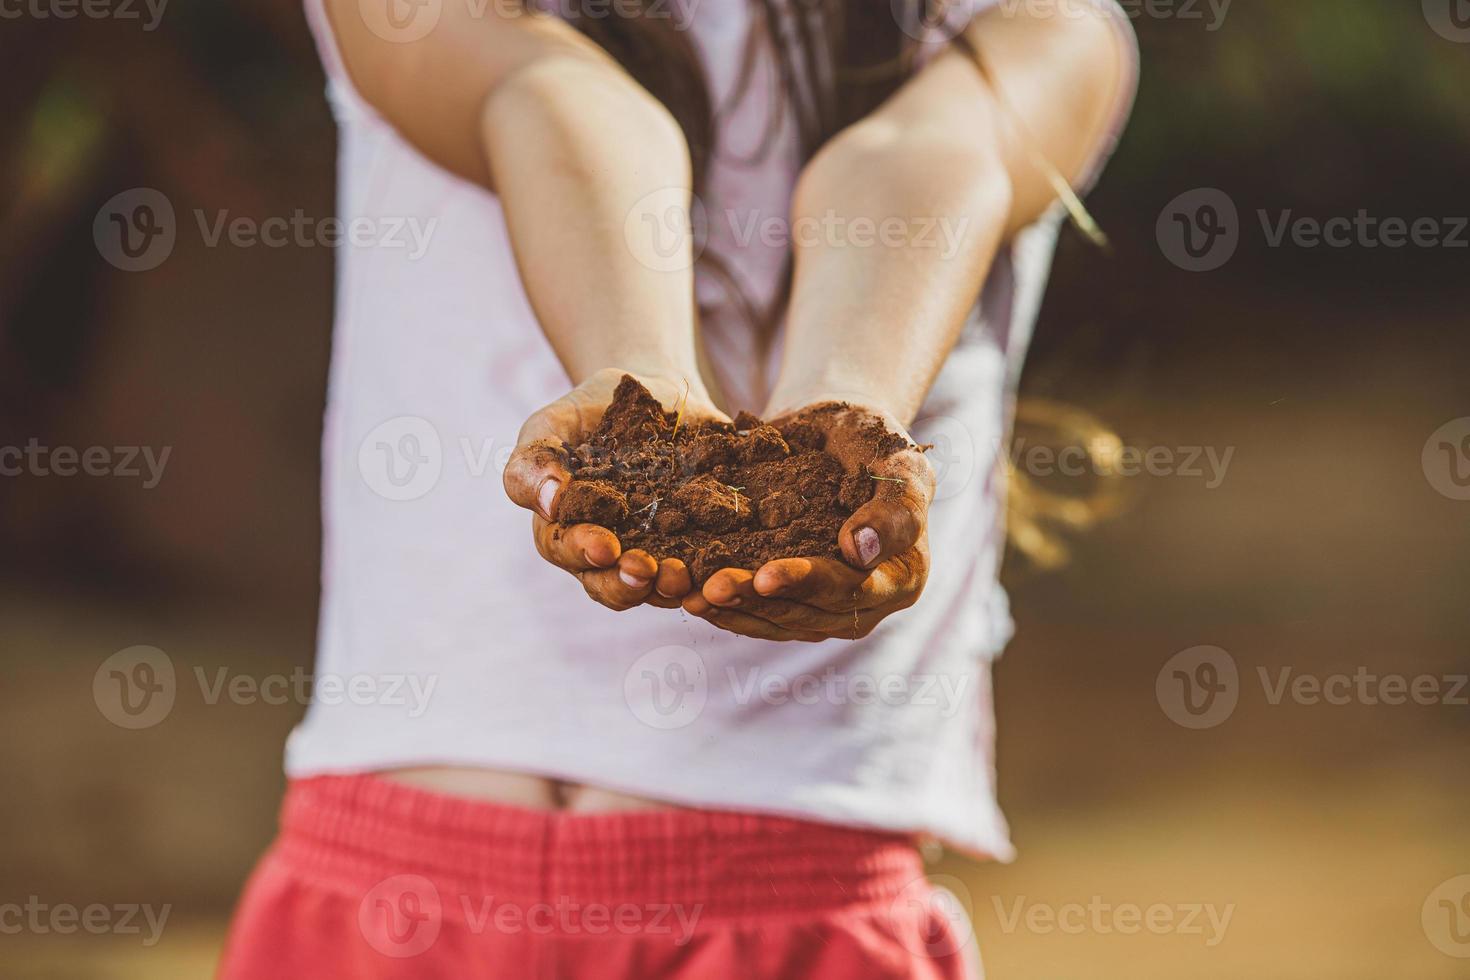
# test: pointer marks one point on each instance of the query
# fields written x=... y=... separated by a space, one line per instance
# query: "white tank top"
x=445 y=639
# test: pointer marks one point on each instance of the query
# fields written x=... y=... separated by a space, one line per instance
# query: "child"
x=645 y=793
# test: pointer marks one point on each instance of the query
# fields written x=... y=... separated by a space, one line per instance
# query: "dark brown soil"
x=717 y=495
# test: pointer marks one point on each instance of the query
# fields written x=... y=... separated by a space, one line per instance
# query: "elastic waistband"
x=359 y=832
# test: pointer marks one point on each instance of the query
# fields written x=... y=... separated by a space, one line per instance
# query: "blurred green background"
x=1331 y=547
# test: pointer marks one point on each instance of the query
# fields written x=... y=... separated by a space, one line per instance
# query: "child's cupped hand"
x=537 y=474
x=884 y=544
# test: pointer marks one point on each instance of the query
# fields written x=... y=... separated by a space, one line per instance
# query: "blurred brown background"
x=1335 y=543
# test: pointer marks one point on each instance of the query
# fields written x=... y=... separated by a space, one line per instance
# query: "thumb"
x=537 y=471
x=894 y=520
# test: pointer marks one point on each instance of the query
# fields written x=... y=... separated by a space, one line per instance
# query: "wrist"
x=620 y=346
x=653 y=371
x=790 y=395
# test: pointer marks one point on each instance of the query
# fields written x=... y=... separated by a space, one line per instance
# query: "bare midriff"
x=519 y=789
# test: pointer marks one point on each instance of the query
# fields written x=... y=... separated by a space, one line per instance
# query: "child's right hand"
x=537 y=473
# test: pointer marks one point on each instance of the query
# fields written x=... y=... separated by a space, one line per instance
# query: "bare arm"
x=581 y=156
x=525 y=106
x=875 y=322
x=946 y=166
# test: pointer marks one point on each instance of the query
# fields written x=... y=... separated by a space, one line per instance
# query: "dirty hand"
x=884 y=544
x=537 y=473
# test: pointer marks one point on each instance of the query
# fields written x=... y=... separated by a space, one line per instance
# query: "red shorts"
x=372 y=879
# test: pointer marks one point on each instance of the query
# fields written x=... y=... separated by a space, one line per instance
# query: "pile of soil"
x=719 y=495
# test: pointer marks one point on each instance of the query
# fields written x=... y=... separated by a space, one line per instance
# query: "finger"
x=695 y=604
x=816 y=581
x=671 y=584
x=849 y=624
x=637 y=568
x=610 y=586
x=835 y=587
x=729 y=587
x=536 y=473
x=576 y=547
x=801 y=617
x=893 y=520
x=753 y=626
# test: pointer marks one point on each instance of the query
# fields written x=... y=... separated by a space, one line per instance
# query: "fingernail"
x=546 y=494
x=662 y=592
x=868 y=545
x=630 y=580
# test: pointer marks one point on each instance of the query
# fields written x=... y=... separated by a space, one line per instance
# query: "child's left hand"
x=885 y=547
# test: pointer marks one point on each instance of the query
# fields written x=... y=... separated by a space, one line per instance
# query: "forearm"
x=955 y=149
x=592 y=172
x=872 y=315
x=528 y=108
